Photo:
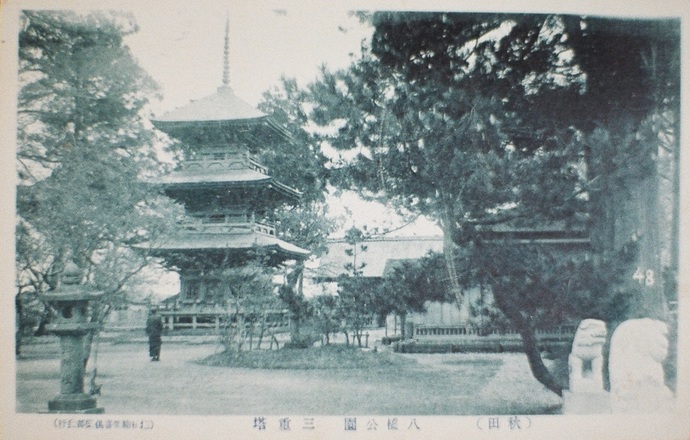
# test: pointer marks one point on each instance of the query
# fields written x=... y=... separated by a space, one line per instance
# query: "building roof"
x=220 y=112
x=240 y=239
x=547 y=233
x=223 y=105
x=219 y=115
x=392 y=264
x=204 y=177
x=378 y=252
x=382 y=255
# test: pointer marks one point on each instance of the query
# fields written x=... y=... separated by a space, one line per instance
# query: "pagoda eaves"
x=223 y=178
x=223 y=105
x=222 y=112
x=240 y=241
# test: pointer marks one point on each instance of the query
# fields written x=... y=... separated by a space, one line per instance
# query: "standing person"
x=154 y=329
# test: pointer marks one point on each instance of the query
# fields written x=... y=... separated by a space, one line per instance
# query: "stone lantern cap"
x=71 y=304
x=71 y=289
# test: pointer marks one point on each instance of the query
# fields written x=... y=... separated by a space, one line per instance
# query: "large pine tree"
x=485 y=122
x=83 y=150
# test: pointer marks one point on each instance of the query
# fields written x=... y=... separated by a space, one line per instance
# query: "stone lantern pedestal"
x=71 y=325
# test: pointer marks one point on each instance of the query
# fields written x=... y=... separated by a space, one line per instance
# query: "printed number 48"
x=645 y=277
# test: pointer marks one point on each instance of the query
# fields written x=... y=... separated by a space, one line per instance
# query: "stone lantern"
x=71 y=302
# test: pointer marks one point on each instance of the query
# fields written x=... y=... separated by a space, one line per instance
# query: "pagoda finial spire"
x=226 y=54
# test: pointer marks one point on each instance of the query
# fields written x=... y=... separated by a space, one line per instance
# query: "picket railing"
x=434 y=332
x=191 y=318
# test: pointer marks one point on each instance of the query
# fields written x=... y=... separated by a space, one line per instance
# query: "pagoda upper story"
x=225 y=189
x=220 y=132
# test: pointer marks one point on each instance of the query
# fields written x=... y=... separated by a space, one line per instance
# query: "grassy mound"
x=329 y=357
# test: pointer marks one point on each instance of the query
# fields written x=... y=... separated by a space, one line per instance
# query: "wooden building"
x=228 y=195
x=380 y=256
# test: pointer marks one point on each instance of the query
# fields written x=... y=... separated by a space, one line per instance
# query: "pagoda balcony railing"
x=196 y=315
x=256 y=166
x=229 y=227
x=225 y=160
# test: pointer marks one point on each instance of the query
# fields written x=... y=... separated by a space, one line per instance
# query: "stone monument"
x=638 y=349
x=585 y=364
x=70 y=302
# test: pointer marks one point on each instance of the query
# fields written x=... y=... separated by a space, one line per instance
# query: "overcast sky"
x=182 y=47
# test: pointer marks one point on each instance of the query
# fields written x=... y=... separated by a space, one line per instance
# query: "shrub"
x=302 y=341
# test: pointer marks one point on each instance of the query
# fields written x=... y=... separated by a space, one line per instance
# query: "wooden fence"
x=213 y=319
x=435 y=332
x=460 y=338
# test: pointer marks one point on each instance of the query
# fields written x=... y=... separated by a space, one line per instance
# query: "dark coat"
x=154 y=326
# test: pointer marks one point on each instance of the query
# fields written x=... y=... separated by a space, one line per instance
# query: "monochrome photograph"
x=238 y=219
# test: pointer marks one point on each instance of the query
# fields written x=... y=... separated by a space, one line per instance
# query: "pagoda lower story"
x=202 y=253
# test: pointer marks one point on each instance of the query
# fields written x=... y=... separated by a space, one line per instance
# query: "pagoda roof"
x=239 y=240
x=223 y=105
x=204 y=177
x=193 y=176
x=222 y=111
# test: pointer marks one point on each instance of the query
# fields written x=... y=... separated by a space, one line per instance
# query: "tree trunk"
x=653 y=303
x=294 y=328
x=529 y=342
x=448 y=227
x=241 y=332
x=88 y=341
x=262 y=329
x=19 y=317
x=98 y=315
x=675 y=200
x=536 y=363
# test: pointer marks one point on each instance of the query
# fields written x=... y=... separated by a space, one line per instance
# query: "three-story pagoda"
x=229 y=196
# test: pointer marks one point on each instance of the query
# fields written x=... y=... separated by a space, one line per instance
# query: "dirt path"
x=435 y=385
